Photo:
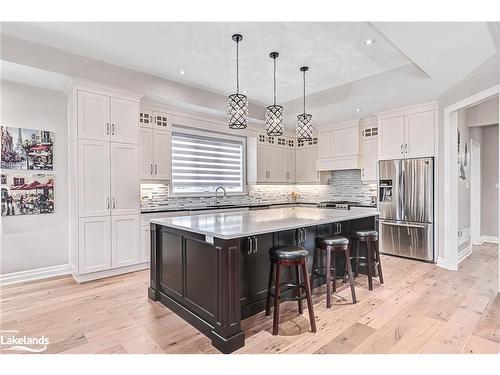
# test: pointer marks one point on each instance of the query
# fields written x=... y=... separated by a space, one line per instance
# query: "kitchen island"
x=212 y=270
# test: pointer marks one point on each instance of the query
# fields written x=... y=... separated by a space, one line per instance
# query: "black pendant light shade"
x=304 y=120
x=274 y=113
x=237 y=104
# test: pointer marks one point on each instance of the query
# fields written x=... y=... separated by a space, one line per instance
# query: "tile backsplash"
x=343 y=185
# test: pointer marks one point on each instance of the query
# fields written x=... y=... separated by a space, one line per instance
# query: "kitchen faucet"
x=216 y=196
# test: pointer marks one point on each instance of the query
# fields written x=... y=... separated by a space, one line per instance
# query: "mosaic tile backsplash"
x=343 y=185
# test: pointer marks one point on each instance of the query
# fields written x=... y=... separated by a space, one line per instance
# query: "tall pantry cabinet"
x=104 y=199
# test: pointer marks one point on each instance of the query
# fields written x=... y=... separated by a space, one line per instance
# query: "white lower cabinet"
x=125 y=247
x=94 y=244
x=145 y=242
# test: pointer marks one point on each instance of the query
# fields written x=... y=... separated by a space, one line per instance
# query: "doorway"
x=448 y=257
x=475 y=192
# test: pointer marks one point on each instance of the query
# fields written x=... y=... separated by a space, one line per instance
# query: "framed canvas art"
x=29 y=149
x=27 y=194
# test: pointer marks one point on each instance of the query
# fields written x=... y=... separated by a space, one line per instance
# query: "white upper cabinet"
x=146 y=149
x=338 y=146
x=419 y=131
x=270 y=159
x=368 y=162
x=93 y=178
x=93 y=116
x=407 y=133
x=306 y=157
x=125 y=194
x=155 y=144
x=162 y=155
x=124 y=116
x=105 y=118
x=391 y=138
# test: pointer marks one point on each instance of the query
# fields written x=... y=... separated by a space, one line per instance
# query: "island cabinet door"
x=170 y=262
x=254 y=268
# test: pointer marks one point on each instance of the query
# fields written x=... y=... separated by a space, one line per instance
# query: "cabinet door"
x=145 y=243
x=391 y=138
x=125 y=195
x=369 y=152
x=146 y=153
x=290 y=166
x=162 y=155
x=262 y=170
x=271 y=164
x=344 y=142
x=93 y=116
x=419 y=134
x=312 y=174
x=300 y=165
x=124 y=120
x=280 y=174
x=125 y=248
x=94 y=244
x=93 y=178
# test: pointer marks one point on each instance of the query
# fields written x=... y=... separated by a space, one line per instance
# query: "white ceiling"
x=409 y=62
x=33 y=76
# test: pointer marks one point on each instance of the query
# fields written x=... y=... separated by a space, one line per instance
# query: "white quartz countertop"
x=250 y=223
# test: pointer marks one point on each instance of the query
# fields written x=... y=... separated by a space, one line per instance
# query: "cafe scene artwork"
x=29 y=194
x=29 y=149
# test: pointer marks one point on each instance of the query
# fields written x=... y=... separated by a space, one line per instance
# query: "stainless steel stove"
x=338 y=205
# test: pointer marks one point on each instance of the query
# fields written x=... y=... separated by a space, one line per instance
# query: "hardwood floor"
x=420 y=309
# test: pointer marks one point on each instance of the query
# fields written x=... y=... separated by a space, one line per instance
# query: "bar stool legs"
x=328 y=277
x=370 y=238
x=282 y=256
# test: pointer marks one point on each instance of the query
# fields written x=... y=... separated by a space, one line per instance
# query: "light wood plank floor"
x=420 y=309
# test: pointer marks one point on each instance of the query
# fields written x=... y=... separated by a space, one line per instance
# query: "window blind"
x=201 y=164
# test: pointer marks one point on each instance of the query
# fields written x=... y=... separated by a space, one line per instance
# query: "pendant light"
x=274 y=113
x=304 y=120
x=237 y=104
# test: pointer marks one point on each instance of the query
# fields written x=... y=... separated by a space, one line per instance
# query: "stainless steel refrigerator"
x=406 y=205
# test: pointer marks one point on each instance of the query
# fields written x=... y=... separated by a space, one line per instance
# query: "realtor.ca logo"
x=10 y=340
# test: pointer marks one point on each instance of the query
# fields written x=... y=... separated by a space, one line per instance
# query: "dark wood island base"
x=214 y=283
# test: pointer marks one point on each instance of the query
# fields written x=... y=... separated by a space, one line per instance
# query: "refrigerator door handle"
x=409 y=225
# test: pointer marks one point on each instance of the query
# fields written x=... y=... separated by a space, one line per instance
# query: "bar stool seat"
x=372 y=258
x=332 y=241
x=288 y=256
x=289 y=252
x=332 y=245
x=366 y=233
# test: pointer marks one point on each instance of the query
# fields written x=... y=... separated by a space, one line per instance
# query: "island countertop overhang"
x=233 y=225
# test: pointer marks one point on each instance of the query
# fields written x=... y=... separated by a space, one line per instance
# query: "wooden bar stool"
x=332 y=245
x=288 y=256
x=372 y=258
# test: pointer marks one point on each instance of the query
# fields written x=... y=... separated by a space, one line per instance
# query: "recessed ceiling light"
x=369 y=42
x=358 y=110
x=244 y=91
x=181 y=72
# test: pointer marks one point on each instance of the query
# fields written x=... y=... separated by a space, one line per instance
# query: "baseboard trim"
x=35 y=274
x=464 y=254
x=441 y=262
x=490 y=239
x=108 y=273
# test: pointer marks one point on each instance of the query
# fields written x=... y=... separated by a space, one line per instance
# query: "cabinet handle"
x=107 y=128
x=114 y=203
x=256 y=246
x=401 y=149
x=156 y=169
x=250 y=246
x=305 y=235
x=112 y=129
x=406 y=148
x=151 y=168
x=107 y=203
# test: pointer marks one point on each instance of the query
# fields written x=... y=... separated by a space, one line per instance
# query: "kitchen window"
x=201 y=162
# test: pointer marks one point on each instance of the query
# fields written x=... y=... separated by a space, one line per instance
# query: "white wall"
x=37 y=241
x=484 y=77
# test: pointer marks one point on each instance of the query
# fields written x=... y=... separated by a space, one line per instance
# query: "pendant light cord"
x=237 y=68
x=304 y=92
x=275 y=81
